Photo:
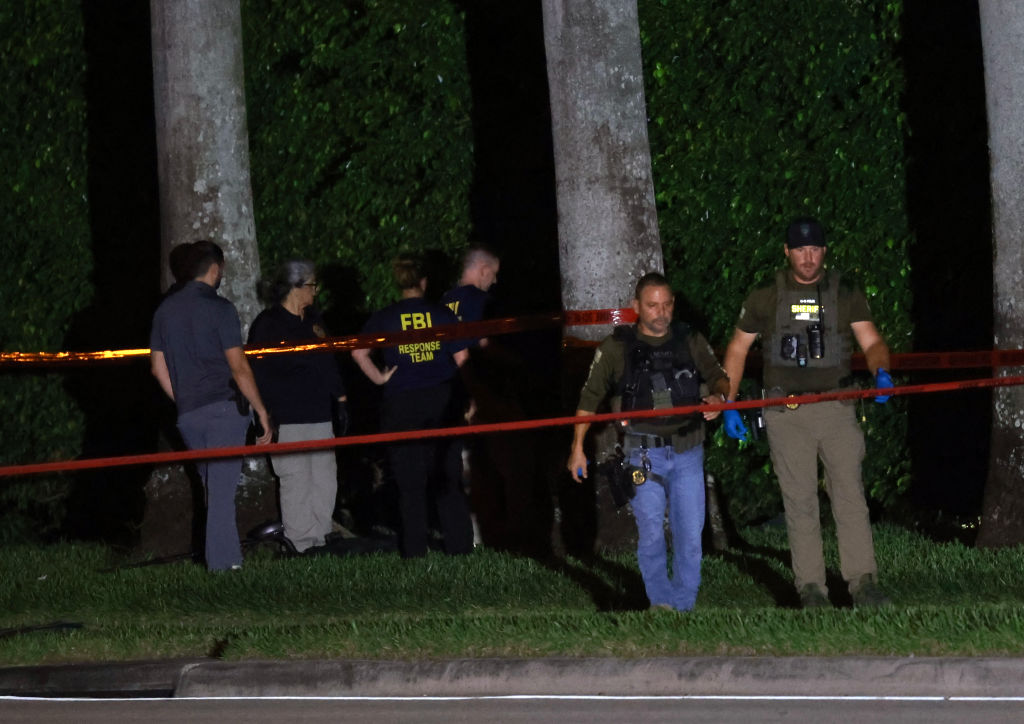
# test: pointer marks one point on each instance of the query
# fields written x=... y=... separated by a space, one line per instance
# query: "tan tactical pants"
x=797 y=438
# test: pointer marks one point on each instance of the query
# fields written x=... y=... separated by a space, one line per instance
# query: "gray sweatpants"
x=218 y=425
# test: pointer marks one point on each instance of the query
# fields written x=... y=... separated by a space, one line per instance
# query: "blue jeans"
x=218 y=425
x=681 y=491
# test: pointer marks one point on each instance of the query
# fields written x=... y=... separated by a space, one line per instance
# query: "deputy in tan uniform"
x=805 y=319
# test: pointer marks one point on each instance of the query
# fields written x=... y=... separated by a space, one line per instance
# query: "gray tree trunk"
x=1002 y=27
x=202 y=144
x=607 y=222
x=202 y=138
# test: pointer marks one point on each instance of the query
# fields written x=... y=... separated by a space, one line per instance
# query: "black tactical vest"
x=790 y=357
x=659 y=377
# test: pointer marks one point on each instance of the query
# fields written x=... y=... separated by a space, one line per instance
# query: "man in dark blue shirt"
x=471 y=301
x=196 y=356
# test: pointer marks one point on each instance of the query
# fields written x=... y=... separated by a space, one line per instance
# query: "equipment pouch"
x=661 y=395
x=621 y=476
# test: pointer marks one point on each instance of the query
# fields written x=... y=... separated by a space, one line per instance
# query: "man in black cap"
x=805 y=319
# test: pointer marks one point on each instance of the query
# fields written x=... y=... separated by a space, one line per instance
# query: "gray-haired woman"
x=305 y=394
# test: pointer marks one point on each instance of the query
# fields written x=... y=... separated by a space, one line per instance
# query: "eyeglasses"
x=315 y=285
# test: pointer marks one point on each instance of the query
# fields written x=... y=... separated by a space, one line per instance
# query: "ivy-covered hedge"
x=759 y=113
x=44 y=214
x=361 y=144
x=360 y=134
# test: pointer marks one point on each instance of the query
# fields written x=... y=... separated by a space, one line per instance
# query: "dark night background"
x=513 y=207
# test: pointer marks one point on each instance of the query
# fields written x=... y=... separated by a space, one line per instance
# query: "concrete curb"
x=701 y=676
x=116 y=679
x=735 y=676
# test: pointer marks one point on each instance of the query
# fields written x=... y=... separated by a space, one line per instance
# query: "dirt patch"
x=173 y=520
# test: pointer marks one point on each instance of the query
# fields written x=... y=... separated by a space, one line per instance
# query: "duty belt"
x=779 y=392
x=649 y=441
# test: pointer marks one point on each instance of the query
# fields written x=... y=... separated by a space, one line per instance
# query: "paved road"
x=593 y=710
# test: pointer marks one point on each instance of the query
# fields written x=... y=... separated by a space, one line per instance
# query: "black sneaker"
x=865 y=592
x=811 y=596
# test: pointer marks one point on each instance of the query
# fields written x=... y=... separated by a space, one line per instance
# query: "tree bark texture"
x=607 y=222
x=202 y=141
x=202 y=138
x=1002 y=27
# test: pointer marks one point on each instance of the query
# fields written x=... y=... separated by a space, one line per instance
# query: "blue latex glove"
x=882 y=380
x=734 y=426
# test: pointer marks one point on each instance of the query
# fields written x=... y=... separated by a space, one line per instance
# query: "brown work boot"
x=865 y=592
x=811 y=596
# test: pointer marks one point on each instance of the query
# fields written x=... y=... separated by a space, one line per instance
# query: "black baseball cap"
x=805 y=232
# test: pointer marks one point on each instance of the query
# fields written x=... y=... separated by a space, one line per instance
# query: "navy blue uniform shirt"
x=193 y=327
x=420 y=364
x=470 y=304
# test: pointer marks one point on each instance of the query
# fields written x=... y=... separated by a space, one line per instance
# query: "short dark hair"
x=408 y=270
x=181 y=262
x=651 y=279
x=203 y=255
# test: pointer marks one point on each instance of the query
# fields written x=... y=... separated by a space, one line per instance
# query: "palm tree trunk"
x=607 y=222
x=202 y=138
x=1002 y=27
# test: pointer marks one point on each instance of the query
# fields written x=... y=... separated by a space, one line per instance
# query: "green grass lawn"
x=948 y=600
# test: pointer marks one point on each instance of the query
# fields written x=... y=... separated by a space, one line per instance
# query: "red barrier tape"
x=519 y=425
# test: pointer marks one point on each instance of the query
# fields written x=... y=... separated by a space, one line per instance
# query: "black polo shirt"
x=297 y=387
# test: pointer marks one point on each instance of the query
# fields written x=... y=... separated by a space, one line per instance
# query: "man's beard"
x=659 y=323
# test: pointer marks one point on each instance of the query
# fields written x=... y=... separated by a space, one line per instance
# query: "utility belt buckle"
x=779 y=392
x=648 y=440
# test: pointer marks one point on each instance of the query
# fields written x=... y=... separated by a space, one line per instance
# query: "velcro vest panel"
x=657 y=377
x=795 y=311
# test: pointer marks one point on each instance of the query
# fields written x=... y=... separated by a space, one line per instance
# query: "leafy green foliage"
x=360 y=133
x=44 y=279
x=760 y=113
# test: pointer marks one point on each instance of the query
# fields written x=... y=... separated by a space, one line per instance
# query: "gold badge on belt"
x=792 y=405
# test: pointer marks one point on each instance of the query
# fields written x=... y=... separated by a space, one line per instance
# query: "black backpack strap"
x=626 y=333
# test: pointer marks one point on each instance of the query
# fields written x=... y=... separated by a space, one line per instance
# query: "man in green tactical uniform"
x=658 y=364
x=805 y=318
